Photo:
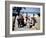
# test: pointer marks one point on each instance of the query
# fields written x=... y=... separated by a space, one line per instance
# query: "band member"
x=31 y=22
x=21 y=21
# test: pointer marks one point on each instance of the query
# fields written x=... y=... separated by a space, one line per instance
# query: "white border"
x=23 y=32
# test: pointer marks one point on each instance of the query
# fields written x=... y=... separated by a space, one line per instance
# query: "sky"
x=31 y=10
x=28 y=10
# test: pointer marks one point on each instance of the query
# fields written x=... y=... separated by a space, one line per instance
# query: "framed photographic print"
x=24 y=18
